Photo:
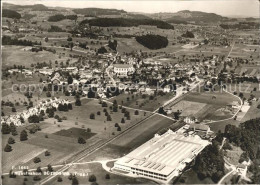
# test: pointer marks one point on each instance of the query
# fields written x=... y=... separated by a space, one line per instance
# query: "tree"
x=107 y=176
x=70 y=79
x=36 y=160
x=11 y=140
x=23 y=135
x=49 y=168
x=59 y=179
x=188 y=34
x=176 y=115
x=123 y=120
x=11 y=174
x=102 y=50
x=104 y=104
x=8 y=148
x=109 y=118
x=92 y=178
x=70 y=106
x=5 y=128
x=75 y=181
x=118 y=128
x=34 y=119
x=92 y=116
x=78 y=102
x=13 y=109
x=39 y=170
x=136 y=112
x=47 y=153
x=161 y=111
x=48 y=94
x=81 y=140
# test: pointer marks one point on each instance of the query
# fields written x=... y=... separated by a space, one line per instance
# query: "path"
x=225 y=176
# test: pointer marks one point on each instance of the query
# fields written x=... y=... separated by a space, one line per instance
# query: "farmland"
x=60 y=138
x=96 y=51
x=144 y=102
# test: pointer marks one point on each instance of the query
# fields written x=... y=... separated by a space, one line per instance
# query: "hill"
x=152 y=41
x=194 y=16
x=11 y=14
x=98 y=11
x=35 y=7
x=123 y=22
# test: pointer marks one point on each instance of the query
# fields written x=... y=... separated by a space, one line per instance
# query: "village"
x=117 y=97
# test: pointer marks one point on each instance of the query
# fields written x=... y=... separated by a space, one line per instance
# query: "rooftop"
x=164 y=154
x=122 y=65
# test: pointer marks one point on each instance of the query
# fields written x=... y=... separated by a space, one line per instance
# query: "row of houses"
x=42 y=106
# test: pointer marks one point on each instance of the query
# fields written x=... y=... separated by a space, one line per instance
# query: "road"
x=229 y=173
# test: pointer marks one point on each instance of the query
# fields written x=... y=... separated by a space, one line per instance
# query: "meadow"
x=143 y=102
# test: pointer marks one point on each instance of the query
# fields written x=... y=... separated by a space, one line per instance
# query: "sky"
x=233 y=8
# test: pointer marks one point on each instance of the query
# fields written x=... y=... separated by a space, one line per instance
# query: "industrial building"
x=163 y=157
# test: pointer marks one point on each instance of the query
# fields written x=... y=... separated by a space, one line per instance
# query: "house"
x=242 y=169
x=167 y=88
x=123 y=69
x=234 y=105
x=200 y=128
x=190 y=119
x=56 y=79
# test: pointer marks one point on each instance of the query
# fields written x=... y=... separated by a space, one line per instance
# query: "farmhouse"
x=123 y=69
x=163 y=157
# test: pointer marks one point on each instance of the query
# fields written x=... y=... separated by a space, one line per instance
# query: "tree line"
x=122 y=22
x=7 y=40
x=60 y=17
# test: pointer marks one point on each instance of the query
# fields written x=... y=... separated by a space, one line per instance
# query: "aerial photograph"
x=111 y=92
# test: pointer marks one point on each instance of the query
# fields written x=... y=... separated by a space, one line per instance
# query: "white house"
x=123 y=69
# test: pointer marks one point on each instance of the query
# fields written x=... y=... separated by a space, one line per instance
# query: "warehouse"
x=163 y=157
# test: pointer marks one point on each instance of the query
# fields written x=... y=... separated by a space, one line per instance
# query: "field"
x=75 y=133
x=138 y=101
x=15 y=55
x=62 y=136
x=205 y=105
x=133 y=139
x=233 y=155
x=61 y=148
x=188 y=108
x=245 y=51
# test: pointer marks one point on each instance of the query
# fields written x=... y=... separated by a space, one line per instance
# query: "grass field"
x=206 y=105
x=75 y=133
x=144 y=103
x=233 y=155
x=188 y=108
x=16 y=55
x=100 y=125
